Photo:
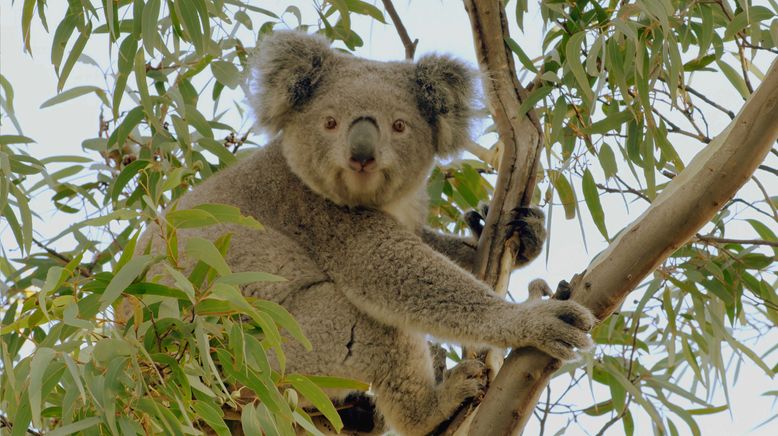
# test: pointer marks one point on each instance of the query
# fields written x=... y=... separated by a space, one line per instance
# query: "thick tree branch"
x=521 y=141
x=688 y=202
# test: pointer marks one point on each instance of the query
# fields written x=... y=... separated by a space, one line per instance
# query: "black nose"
x=362 y=140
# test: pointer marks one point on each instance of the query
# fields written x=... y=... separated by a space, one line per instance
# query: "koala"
x=340 y=189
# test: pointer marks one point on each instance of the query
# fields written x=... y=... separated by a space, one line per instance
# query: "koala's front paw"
x=465 y=380
x=527 y=221
x=558 y=327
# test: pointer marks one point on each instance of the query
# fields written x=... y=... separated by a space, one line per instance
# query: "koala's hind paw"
x=465 y=380
x=562 y=326
x=529 y=223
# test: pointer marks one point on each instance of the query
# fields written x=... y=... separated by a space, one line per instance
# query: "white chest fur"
x=410 y=211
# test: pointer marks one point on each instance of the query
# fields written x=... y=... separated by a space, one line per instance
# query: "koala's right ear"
x=285 y=73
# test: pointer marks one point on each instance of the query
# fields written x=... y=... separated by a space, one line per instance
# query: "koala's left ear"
x=285 y=74
x=444 y=93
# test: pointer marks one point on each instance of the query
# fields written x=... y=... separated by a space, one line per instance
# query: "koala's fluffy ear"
x=444 y=92
x=285 y=74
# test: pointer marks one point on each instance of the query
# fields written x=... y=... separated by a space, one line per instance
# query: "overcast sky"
x=440 y=27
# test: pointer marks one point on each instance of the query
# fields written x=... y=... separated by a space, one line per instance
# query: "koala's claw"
x=563 y=327
x=475 y=219
x=466 y=380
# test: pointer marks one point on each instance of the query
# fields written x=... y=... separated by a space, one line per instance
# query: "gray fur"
x=363 y=284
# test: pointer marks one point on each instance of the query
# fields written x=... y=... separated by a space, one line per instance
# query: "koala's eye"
x=330 y=123
x=398 y=126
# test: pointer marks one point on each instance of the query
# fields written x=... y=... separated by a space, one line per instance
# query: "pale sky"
x=440 y=26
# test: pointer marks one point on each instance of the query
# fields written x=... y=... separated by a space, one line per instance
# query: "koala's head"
x=359 y=132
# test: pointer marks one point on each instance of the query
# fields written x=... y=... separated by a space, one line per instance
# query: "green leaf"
x=317 y=397
x=143 y=90
x=734 y=78
x=610 y=122
x=754 y=14
x=608 y=161
x=15 y=139
x=26 y=215
x=365 y=8
x=208 y=214
x=699 y=63
x=123 y=279
x=132 y=119
x=27 y=11
x=54 y=278
x=533 y=98
x=125 y=176
x=40 y=363
x=182 y=282
x=573 y=61
x=226 y=73
x=565 y=191
x=212 y=416
x=523 y=58
x=108 y=348
x=75 y=53
x=218 y=149
x=61 y=36
x=283 y=318
x=204 y=250
x=127 y=51
x=707 y=410
x=71 y=94
x=75 y=427
x=149 y=26
x=251 y=424
x=592 y=198
x=191 y=23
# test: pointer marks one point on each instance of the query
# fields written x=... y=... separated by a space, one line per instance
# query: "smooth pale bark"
x=521 y=139
x=683 y=207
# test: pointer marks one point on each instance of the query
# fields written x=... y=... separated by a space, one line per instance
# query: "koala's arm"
x=460 y=249
x=389 y=273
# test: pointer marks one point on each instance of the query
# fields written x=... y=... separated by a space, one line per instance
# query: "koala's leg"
x=403 y=379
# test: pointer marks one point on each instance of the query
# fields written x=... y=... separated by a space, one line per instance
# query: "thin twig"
x=770 y=170
x=410 y=46
x=702 y=97
x=5 y=423
x=766 y=196
x=622 y=191
x=718 y=240
x=81 y=270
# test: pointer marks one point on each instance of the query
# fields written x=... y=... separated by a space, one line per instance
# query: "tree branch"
x=410 y=46
x=688 y=202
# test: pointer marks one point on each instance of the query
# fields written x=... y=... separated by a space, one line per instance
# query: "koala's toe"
x=563 y=290
x=559 y=350
x=576 y=315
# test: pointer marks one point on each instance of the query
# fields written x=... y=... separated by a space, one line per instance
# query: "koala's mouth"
x=363 y=187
